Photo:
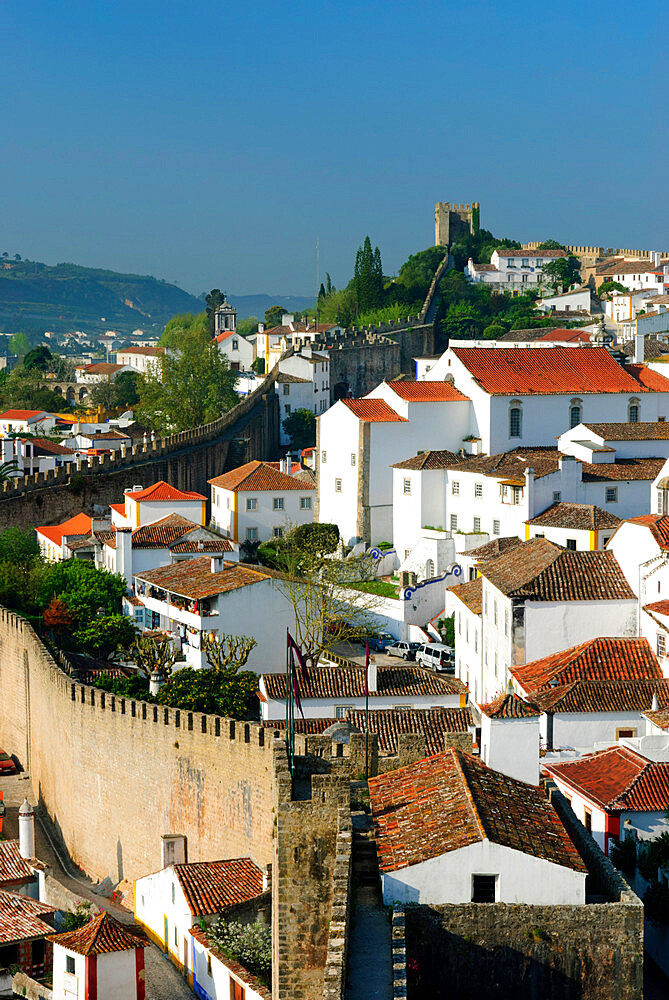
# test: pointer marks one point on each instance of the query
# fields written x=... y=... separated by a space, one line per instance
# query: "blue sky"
x=214 y=143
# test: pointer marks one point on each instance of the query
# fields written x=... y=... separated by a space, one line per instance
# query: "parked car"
x=7 y=765
x=379 y=643
x=407 y=650
x=436 y=656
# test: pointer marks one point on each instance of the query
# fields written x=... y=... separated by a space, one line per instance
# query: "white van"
x=436 y=656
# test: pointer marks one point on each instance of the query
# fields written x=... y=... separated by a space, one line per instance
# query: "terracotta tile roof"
x=659 y=717
x=452 y=800
x=617 y=779
x=578 y=516
x=565 y=336
x=596 y=660
x=238 y=970
x=652 y=348
x=101 y=936
x=151 y=352
x=645 y=431
x=213 y=545
x=634 y=695
x=193 y=578
x=169 y=530
x=349 y=682
x=627 y=267
x=80 y=524
x=542 y=571
x=470 y=593
x=544 y=461
x=657 y=524
x=649 y=379
x=211 y=886
x=509 y=706
x=308 y=727
x=495 y=548
x=659 y=607
x=507 y=371
x=13 y=868
x=49 y=447
x=162 y=491
x=505 y=252
x=427 y=392
x=430 y=460
x=373 y=411
x=102 y=368
x=432 y=723
x=623 y=470
x=106 y=436
x=118 y=507
x=256 y=476
x=23 y=918
x=286 y=378
x=23 y=414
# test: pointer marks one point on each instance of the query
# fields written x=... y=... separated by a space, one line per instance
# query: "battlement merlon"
x=453 y=221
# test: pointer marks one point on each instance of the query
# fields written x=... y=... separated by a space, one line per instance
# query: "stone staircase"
x=366 y=877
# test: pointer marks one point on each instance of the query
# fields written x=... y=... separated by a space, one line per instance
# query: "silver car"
x=407 y=650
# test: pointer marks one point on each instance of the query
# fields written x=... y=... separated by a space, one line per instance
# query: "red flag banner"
x=299 y=656
x=296 y=685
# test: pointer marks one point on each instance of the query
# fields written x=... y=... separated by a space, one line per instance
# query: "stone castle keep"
x=452 y=221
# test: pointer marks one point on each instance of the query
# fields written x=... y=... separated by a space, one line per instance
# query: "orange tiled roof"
x=507 y=371
x=657 y=524
x=430 y=460
x=80 y=524
x=509 y=706
x=649 y=379
x=633 y=695
x=152 y=352
x=470 y=593
x=22 y=414
x=597 y=660
x=193 y=578
x=13 y=867
x=577 y=516
x=101 y=936
x=50 y=447
x=22 y=917
x=163 y=491
x=432 y=723
x=349 y=682
x=659 y=607
x=452 y=800
x=373 y=411
x=659 y=717
x=427 y=392
x=259 y=476
x=211 y=886
x=118 y=507
x=617 y=778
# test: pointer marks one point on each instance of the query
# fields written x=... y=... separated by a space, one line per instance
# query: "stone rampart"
x=114 y=774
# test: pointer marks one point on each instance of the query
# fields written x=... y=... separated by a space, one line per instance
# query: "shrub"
x=249 y=944
x=623 y=855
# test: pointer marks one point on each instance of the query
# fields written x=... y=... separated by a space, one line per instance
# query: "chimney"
x=217 y=564
x=267 y=878
x=156 y=681
x=123 y=545
x=261 y=327
x=172 y=849
x=639 y=348
x=26 y=830
x=529 y=491
x=372 y=676
x=655 y=258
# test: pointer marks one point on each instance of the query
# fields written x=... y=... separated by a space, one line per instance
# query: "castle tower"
x=225 y=318
x=453 y=221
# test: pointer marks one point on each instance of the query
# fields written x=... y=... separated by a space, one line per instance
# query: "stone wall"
x=186 y=460
x=114 y=774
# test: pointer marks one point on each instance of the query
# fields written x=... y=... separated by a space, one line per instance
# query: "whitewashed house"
x=209 y=596
x=257 y=501
x=217 y=977
x=469 y=855
x=510 y=737
x=303 y=382
x=144 y=505
x=52 y=538
x=512 y=271
x=634 y=438
x=465 y=602
x=237 y=349
x=145 y=360
x=329 y=692
x=577 y=300
x=169 y=902
x=648 y=275
x=26 y=422
x=574 y=526
x=103 y=959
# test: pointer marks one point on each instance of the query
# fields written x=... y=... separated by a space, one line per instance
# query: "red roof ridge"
x=164 y=491
x=101 y=935
x=456 y=755
x=373 y=410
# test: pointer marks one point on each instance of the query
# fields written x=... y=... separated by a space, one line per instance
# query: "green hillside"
x=36 y=297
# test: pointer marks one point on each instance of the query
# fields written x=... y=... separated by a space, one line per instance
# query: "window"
x=611 y=494
x=352 y=458
x=625 y=734
x=277 y=532
x=496 y=527
x=341 y=710
x=515 y=420
x=176 y=938
x=633 y=411
x=575 y=412
x=557 y=497
x=287 y=409
x=69 y=964
x=277 y=503
x=286 y=389
x=477 y=524
x=407 y=487
x=235 y=345
x=517 y=494
x=494 y=611
x=455 y=488
x=251 y=503
x=587 y=820
x=402 y=708
x=305 y=503
x=337 y=485
x=172 y=892
x=478 y=489
x=484 y=888
x=209 y=964
x=661 y=644
x=252 y=534
x=571 y=544
x=324 y=456
x=506 y=621
x=454 y=522
x=429 y=569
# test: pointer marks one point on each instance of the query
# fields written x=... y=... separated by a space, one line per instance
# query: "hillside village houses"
x=512 y=270
x=145 y=360
x=26 y=422
x=256 y=502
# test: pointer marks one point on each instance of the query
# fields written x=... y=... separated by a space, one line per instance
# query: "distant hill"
x=256 y=305
x=35 y=297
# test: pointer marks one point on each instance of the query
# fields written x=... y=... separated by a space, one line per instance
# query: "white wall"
x=551 y=626
x=579 y=806
x=523 y=878
x=117 y=975
x=153 y=902
x=147 y=511
x=60 y=976
x=468 y=644
x=582 y=730
x=512 y=747
x=264 y=518
x=322 y=708
x=218 y=986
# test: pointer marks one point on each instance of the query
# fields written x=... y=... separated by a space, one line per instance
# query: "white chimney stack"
x=26 y=830
x=639 y=349
x=123 y=545
x=267 y=878
x=372 y=676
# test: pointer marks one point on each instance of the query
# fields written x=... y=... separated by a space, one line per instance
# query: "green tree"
x=258 y=366
x=212 y=691
x=105 y=634
x=274 y=316
x=300 y=426
x=153 y=654
x=247 y=326
x=18 y=546
x=368 y=277
x=19 y=344
x=104 y=394
x=78 y=917
x=127 y=387
x=608 y=287
x=183 y=329
x=551 y=245
x=39 y=357
x=228 y=652
x=214 y=299
x=85 y=589
x=563 y=272
x=192 y=387
x=494 y=331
